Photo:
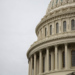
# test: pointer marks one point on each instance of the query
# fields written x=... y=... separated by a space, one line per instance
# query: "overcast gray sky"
x=18 y=19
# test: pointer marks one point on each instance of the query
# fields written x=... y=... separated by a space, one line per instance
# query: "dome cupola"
x=54 y=4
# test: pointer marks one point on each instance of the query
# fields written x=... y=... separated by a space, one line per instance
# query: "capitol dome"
x=54 y=51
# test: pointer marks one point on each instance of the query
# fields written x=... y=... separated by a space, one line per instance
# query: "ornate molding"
x=39 y=44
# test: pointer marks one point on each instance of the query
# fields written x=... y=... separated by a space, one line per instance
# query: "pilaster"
x=60 y=23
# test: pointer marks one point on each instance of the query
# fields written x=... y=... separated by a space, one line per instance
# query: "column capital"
x=65 y=43
x=40 y=50
x=34 y=53
x=30 y=56
x=56 y=45
x=47 y=48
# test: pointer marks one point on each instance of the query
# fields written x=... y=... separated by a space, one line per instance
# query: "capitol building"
x=54 y=51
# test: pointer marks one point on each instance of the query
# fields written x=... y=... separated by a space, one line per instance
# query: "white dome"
x=58 y=3
x=54 y=51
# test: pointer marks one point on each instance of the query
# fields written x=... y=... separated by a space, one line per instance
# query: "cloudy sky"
x=18 y=19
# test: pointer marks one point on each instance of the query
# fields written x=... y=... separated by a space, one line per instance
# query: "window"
x=49 y=61
x=43 y=64
x=73 y=58
x=50 y=29
x=63 y=59
x=64 y=26
x=57 y=28
x=73 y=24
x=52 y=3
x=56 y=1
x=45 y=31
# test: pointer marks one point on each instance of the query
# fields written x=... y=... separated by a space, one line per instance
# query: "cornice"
x=50 y=39
x=51 y=43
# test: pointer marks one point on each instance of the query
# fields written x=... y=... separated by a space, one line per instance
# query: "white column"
x=34 y=64
x=47 y=62
x=52 y=61
x=66 y=54
x=56 y=57
x=31 y=66
x=43 y=32
x=40 y=62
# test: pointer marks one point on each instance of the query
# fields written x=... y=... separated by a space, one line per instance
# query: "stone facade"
x=52 y=54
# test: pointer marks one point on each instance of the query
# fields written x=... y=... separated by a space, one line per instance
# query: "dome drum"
x=68 y=17
x=54 y=51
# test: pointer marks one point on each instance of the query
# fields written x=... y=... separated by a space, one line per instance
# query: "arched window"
x=73 y=24
x=63 y=59
x=64 y=26
x=57 y=28
x=49 y=61
x=45 y=31
x=73 y=58
x=43 y=63
x=50 y=29
x=56 y=1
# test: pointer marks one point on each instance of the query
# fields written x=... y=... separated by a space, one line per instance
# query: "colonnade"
x=54 y=63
